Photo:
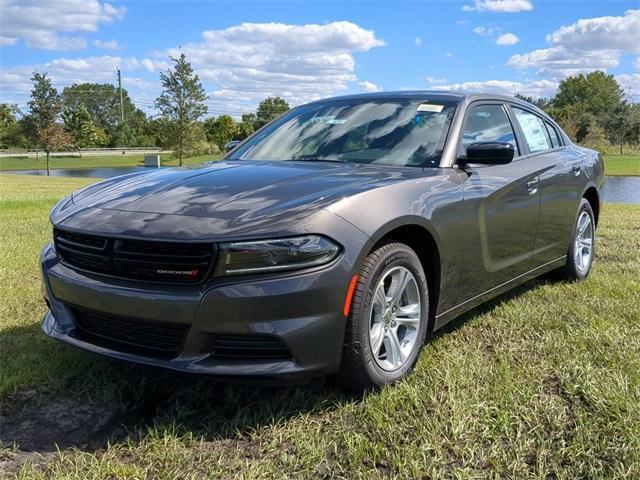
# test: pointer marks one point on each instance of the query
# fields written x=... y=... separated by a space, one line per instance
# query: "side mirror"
x=490 y=153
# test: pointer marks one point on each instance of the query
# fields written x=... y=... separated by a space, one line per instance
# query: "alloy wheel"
x=583 y=249
x=395 y=318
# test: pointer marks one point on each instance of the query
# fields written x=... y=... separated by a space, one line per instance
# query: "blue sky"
x=244 y=51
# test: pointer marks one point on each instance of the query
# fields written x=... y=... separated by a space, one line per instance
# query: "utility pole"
x=121 y=101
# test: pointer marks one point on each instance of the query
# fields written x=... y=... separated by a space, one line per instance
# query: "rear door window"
x=553 y=133
x=534 y=131
x=488 y=123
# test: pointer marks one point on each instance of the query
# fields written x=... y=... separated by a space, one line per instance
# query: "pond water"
x=106 y=172
x=617 y=189
x=622 y=189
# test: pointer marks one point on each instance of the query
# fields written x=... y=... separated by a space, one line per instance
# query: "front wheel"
x=388 y=321
x=582 y=247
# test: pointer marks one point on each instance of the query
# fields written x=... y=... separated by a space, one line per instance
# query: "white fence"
x=93 y=152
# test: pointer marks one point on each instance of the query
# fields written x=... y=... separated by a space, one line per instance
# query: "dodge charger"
x=332 y=242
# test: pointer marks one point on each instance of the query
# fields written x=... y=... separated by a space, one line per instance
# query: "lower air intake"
x=154 y=339
x=250 y=347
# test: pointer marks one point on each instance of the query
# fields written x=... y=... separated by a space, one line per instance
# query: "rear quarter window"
x=553 y=134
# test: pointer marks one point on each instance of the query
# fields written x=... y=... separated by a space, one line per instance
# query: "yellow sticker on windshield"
x=430 y=107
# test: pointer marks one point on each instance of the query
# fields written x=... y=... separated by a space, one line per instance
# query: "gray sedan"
x=333 y=241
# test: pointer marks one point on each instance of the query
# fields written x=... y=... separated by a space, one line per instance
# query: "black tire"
x=571 y=271
x=359 y=370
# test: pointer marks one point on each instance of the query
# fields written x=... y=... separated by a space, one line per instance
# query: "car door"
x=560 y=185
x=501 y=202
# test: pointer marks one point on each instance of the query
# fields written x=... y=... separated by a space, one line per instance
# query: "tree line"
x=591 y=108
x=595 y=112
x=90 y=115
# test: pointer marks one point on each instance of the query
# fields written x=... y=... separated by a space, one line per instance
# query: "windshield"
x=400 y=132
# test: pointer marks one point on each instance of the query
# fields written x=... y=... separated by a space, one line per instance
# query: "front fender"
x=433 y=202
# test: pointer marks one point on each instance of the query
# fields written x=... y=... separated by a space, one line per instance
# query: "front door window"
x=488 y=123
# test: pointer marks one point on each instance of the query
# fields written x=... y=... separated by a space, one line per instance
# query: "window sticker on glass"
x=328 y=119
x=533 y=130
x=321 y=118
x=430 y=107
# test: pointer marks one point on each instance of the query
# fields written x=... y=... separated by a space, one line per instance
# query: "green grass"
x=541 y=383
x=614 y=164
x=24 y=163
x=622 y=164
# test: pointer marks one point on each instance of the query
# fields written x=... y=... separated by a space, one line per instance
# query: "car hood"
x=238 y=189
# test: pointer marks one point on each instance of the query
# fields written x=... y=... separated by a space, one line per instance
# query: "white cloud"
x=106 y=45
x=15 y=81
x=587 y=45
x=636 y=63
x=436 y=80
x=560 y=62
x=367 y=86
x=52 y=41
x=483 y=31
x=501 y=6
x=448 y=54
x=238 y=66
x=630 y=83
x=297 y=62
x=532 y=88
x=611 y=33
x=42 y=23
x=6 y=41
x=417 y=41
x=507 y=39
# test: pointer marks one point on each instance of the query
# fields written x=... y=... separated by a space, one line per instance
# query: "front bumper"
x=302 y=310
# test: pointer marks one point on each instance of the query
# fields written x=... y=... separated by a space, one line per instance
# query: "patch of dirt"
x=35 y=425
x=60 y=421
x=11 y=461
x=34 y=429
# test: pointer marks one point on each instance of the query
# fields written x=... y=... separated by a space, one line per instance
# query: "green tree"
x=78 y=124
x=182 y=103
x=633 y=133
x=221 y=130
x=595 y=136
x=12 y=128
x=542 y=103
x=623 y=124
x=156 y=130
x=246 y=126
x=8 y=114
x=139 y=125
x=102 y=101
x=596 y=92
x=123 y=136
x=269 y=109
x=583 y=98
x=573 y=120
x=44 y=109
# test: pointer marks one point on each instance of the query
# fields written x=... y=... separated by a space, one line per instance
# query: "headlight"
x=237 y=258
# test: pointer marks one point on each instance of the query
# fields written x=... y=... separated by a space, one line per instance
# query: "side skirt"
x=452 y=313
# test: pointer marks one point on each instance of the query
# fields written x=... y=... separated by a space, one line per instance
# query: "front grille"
x=156 y=261
x=249 y=347
x=129 y=335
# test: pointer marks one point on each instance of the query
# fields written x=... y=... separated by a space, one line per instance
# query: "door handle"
x=532 y=186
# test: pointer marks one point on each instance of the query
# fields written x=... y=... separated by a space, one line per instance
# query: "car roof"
x=444 y=95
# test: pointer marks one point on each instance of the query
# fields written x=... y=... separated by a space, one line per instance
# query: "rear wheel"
x=388 y=322
x=582 y=247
